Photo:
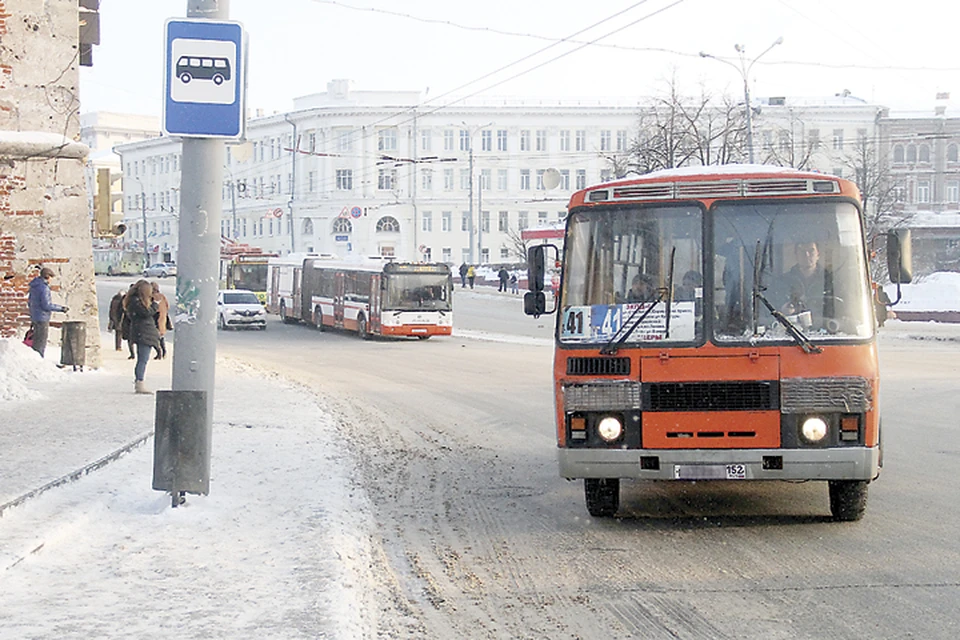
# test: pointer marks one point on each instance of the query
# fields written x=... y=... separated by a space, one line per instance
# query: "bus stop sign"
x=204 y=79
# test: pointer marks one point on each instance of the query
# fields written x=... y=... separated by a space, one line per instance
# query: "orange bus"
x=371 y=297
x=716 y=323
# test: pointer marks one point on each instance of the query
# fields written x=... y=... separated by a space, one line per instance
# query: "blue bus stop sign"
x=204 y=79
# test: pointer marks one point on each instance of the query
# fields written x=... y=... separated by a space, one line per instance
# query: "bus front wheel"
x=602 y=495
x=848 y=499
x=185 y=78
x=283 y=313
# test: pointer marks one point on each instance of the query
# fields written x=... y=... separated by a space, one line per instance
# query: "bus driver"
x=807 y=282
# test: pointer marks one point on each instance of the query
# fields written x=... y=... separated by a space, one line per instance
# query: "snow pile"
x=19 y=364
x=936 y=292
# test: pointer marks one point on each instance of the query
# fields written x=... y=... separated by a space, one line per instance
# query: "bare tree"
x=791 y=148
x=517 y=246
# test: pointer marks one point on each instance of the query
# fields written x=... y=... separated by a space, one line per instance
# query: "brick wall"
x=44 y=217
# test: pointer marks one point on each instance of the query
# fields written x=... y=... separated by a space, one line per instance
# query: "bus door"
x=273 y=301
x=295 y=292
x=374 y=319
x=338 y=297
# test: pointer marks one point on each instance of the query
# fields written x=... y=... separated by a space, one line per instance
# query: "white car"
x=240 y=308
x=160 y=270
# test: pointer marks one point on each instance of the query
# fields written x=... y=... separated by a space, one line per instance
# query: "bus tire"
x=283 y=313
x=848 y=499
x=602 y=496
x=423 y=337
x=362 y=327
x=185 y=78
x=318 y=318
x=218 y=79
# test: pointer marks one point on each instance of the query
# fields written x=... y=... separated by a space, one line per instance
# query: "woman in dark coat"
x=140 y=306
x=125 y=322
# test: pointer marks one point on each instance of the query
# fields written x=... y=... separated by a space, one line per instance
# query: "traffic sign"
x=204 y=79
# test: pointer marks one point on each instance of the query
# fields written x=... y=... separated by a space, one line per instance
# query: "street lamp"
x=143 y=215
x=470 y=131
x=744 y=70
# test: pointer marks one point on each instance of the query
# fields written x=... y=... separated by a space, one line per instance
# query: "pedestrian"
x=41 y=306
x=141 y=308
x=504 y=276
x=162 y=318
x=125 y=322
x=463 y=275
x=116 y=319
x=514 y=284
x=881 y=303
x=471 y=274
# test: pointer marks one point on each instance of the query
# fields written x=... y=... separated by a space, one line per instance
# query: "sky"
x=898 y=57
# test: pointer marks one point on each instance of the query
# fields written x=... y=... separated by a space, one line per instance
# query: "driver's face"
x=807 y=256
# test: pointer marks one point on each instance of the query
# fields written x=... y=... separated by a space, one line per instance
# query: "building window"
x=621 y=140
x=486 y=140
x=448 y=144
x=425 y=137
x=565 y=140
x=485 y=221
x=448 y=179
x=387 y=140
x=540 y=179
x=464 y=140
x=344 y=141
x=501 y=140
x=446 y=221
x=426 y=180
x=465 y=180
x=386 y=179
x=581 y=179
x=581 y=140
x=426 y=221
x=923 y=191
x=524 y=140
x=951 y=153
x=447 y=254
x=484 y=256
x=388 y=224
x=486 y=177
x=522 y=220
x=503 y=221
x=542 y=218
x=524 y=179
x=541 y=140
x=924 y=153
x=345 y=179
x=501 y=179
x=785 y=142
x=605 y=140
x=898 y=154
x=504 y=253
x=312 y=142
x=307 y=227
x=312 y=181
x=813 y=137
x=465 y=221
x=565 y=179
x=911 y=153
x=953 y=191
x=838 y=139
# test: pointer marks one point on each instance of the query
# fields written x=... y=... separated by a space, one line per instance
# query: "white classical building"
x=385 y=173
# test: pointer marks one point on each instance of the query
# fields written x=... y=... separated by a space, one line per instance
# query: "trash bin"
x=73 y=343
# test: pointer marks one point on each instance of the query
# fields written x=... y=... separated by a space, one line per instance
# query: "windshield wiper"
x=616 y=340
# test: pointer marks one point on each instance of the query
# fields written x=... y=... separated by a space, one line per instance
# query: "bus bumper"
x=848 y=463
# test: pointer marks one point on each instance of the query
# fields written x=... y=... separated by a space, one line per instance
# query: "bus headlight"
x=814 y=429
x=610 y=428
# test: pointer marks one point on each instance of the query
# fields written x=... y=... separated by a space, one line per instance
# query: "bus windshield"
x=417 y=291
x=803 y=259
x=249 y=276
x=620 y=267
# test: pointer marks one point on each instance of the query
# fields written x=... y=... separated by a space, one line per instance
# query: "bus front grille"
x=711 y=396
x=598 y=366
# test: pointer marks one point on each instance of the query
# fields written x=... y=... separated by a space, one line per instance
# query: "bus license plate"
x=710 y=472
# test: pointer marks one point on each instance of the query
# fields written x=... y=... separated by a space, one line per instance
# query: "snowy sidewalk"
x=279 y=549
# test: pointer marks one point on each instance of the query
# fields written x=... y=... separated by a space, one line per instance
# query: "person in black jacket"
x=116 y=319
x=140 y=306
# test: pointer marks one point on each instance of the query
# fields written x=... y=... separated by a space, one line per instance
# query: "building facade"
x=382 y=173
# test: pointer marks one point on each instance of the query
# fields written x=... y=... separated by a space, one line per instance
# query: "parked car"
x=160 y=270
x=240 y=308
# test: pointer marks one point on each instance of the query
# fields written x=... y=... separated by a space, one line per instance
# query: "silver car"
x=160 y=270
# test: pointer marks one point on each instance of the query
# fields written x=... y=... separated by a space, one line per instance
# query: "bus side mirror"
x=534 y=303
x=899 y=256
x=536 y=268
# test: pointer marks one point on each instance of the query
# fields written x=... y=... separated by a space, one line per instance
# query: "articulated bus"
x=716 y=324
x=371 y=297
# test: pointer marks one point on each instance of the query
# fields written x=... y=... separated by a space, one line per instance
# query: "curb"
x=76 y=475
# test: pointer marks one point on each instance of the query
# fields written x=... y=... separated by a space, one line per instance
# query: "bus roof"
x=717 y=181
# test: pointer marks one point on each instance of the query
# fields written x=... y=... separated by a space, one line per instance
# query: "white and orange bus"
x=371 y=297
x=716 y=324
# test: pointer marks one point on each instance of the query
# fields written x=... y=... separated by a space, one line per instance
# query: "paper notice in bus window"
x=576 y=323
x=607 y=321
